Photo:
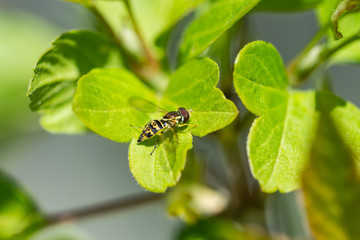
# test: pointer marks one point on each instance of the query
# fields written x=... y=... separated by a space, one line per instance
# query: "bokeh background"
x=64 y=172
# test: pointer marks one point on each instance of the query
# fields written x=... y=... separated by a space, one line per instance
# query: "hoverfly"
x=169 y=121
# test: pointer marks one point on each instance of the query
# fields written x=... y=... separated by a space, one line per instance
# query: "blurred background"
x=64 y=172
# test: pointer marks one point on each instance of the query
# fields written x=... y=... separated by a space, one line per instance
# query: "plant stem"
x=112 y=34
x=294 y=64
x=323 y=56
x=118 y=204
x=151 y=60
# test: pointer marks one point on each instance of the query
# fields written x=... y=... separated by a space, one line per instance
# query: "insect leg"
x=185 y=124
x=135 y=127
x=175 y=134
x=157 y=140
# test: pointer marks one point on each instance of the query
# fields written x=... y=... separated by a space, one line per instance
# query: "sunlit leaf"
x=163 y=168
x=219 y=228
x=332 y=184
x=207 y=27
x=53 y=84
x=102 y=103
x=194 y=86
x=278 y=142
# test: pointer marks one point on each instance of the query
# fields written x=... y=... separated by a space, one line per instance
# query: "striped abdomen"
x=151 y=129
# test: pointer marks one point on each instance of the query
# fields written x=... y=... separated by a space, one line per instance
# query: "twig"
x=294 y=64
x=112 y=34
x=323 y=56
x=101 y=208
x=151 y=60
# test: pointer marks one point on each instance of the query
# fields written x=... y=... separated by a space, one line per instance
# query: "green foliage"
x=209 y=25
x=157 y=16
x=287 y=6
x=52 y=87
x=194 y=86
x=103 y=103
x=163 y=168
x=115 y=83
x=17 y=210
x=218 y=228
x=331 y=184
x=348 y=24
x=278 y=141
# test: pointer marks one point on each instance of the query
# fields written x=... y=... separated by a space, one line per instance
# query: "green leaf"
x=104 y=103
x=17 y=211
x=219 y=228
x=331 y=184
x=207 y=27
x=345 y=116
x=194 y=87
x=348 y=25
x=278 y=142
x=163 y=168
x=53 y=84
x=286 y=6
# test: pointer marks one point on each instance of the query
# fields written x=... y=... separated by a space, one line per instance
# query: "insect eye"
x=184 y=113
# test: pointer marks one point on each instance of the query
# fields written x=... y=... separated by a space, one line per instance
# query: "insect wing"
x=144 y=105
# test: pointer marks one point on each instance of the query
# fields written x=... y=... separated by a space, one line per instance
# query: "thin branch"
x=294 y=64
x=324 y=56
x=115 y=205
x=151 y=60
x=112 y=34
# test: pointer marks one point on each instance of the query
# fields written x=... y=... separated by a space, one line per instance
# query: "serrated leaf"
x=104 y=101
x=163 y=168
x=331 y=184
x=194 y=86
x=286 y=6
x=17 y=210
x=206 y=28
x=348 y=25
x=279 y=139
x=53 y=84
